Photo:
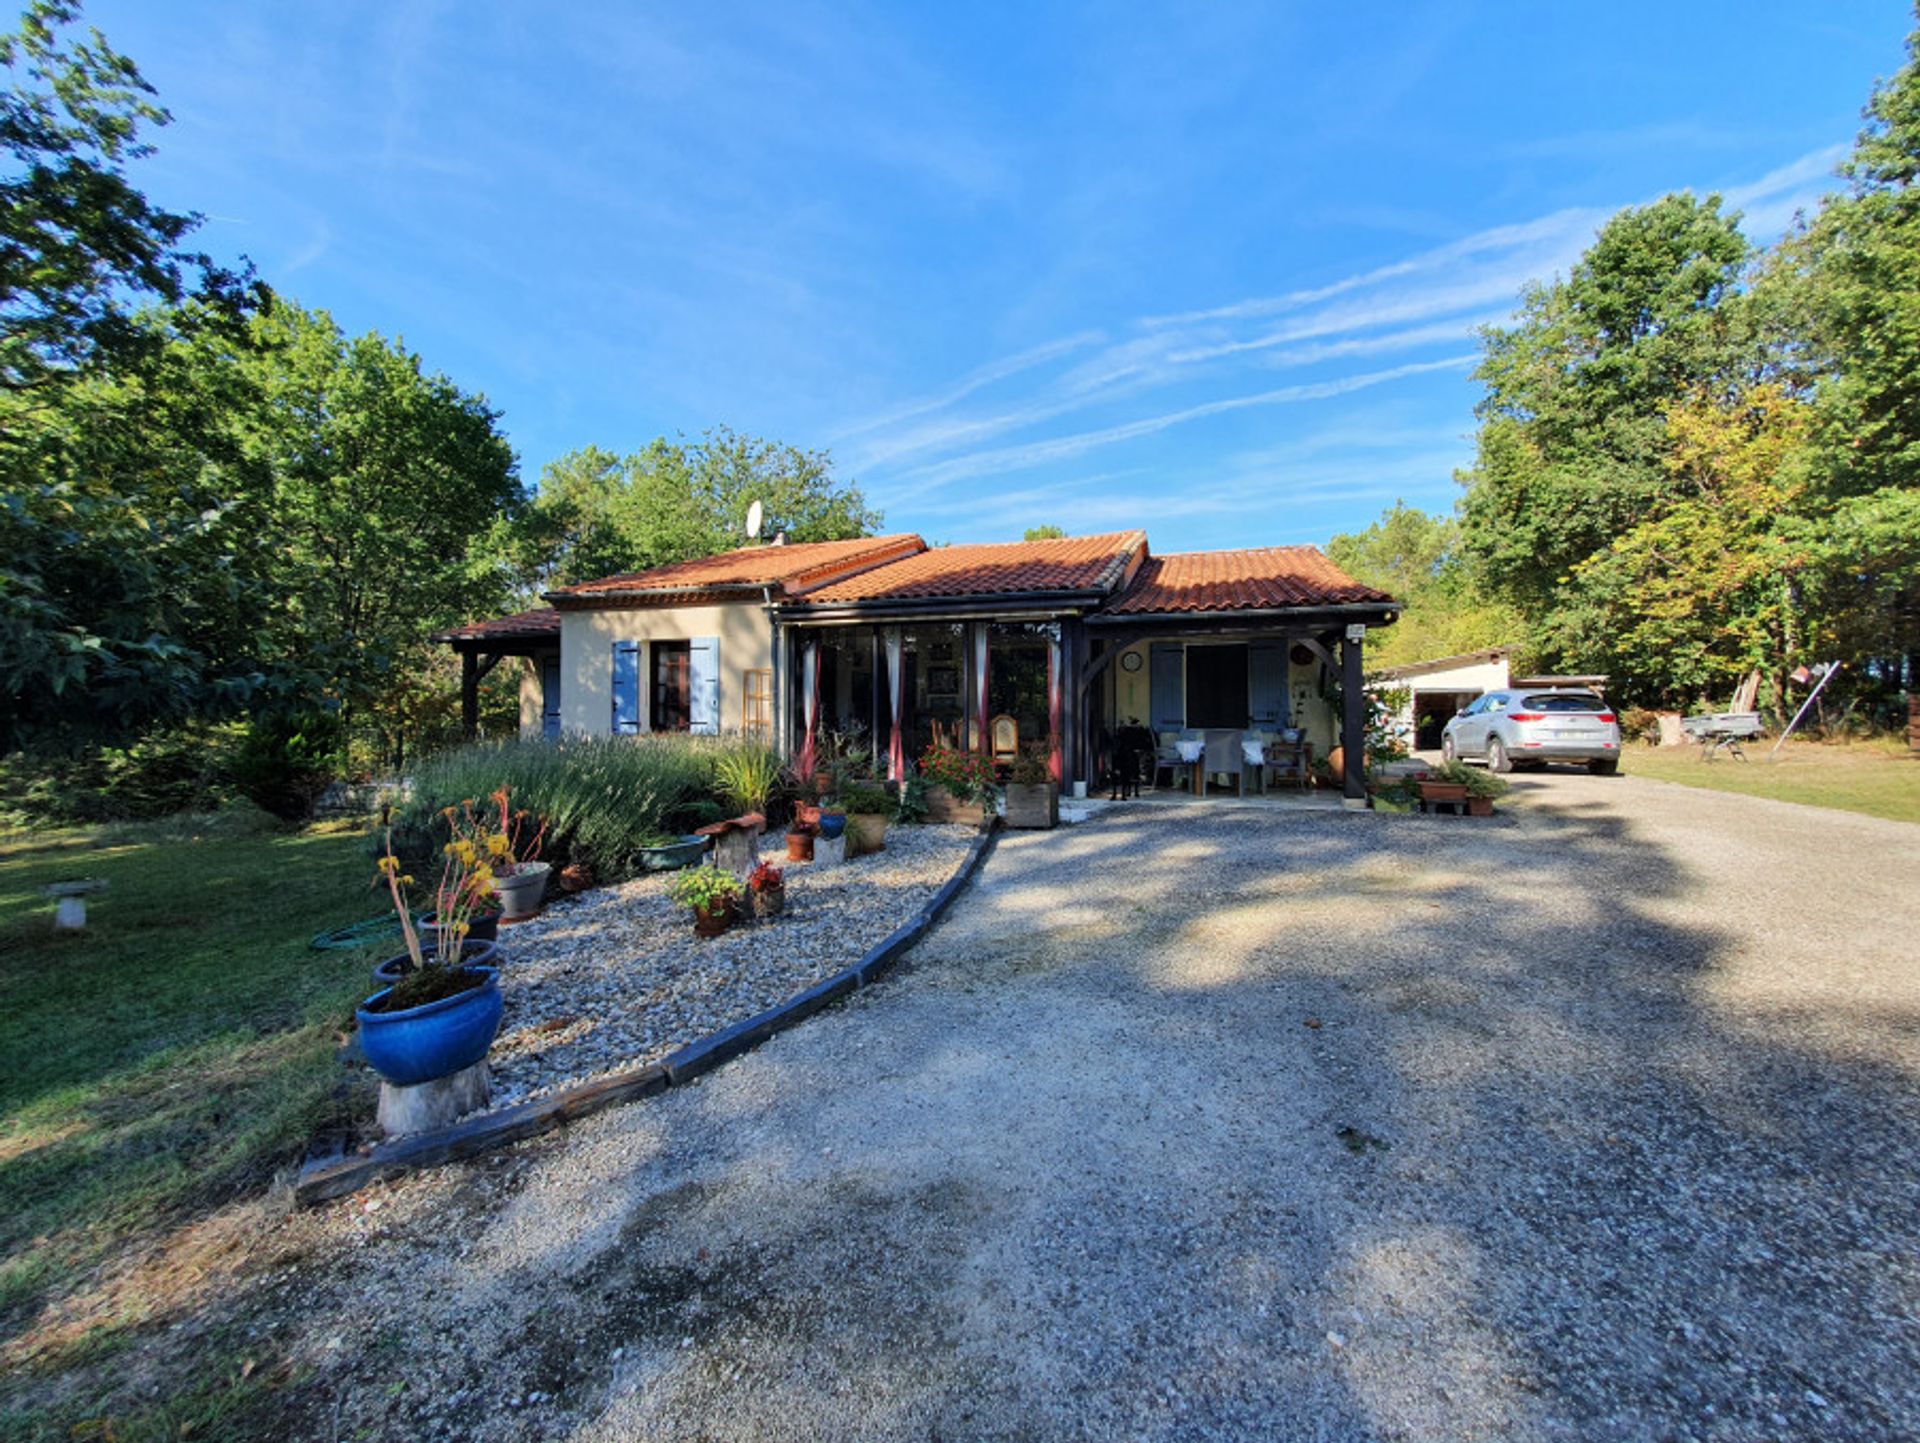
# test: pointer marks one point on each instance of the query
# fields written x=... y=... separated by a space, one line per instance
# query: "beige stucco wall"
x=1310 y=711
x=586 y=652
x=530 y=698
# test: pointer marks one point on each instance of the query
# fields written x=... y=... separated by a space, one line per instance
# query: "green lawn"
x=1878 y=778
x=172 y=1056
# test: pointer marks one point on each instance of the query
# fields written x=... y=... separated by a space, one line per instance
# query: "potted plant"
x=1032 y=798
x=511 y=841
x=444 y=1009
x=465 y=920
x=713 y=894
x=832 y=821
x=1483 y=790
x=1456 y=782
x=800 y=842
x=868 y=809
x=959 y=785
x=766 y=891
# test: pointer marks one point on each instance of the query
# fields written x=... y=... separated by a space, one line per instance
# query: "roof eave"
x=924 y=605
x=1384 y=611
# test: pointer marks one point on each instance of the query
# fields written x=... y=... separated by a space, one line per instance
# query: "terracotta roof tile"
x=541 y=621
x=1261 y=579
x=1073 y=563
x=791 y=567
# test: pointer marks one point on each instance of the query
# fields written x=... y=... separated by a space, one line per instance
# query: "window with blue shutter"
x=1267 y=684
x=1169 y=686
x=626 y=688
x=703 y=685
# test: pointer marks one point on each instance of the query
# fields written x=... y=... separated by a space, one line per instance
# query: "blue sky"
x=1212 y=270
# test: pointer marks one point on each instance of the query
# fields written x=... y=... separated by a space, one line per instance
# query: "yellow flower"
x=408 y=879
x=498 y=844
x=389 y=865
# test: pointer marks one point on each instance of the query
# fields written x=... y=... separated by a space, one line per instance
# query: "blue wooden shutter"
x=626 y=688
x=550 y=697
x=1267 y=684
x=1169 y=686
x=703 y=684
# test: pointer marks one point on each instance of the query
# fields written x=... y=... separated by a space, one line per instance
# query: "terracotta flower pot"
x=799 y=846
x=712 y=922
x=1479 y=806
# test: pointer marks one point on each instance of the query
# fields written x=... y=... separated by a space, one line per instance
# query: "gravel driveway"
x=1594 y=1122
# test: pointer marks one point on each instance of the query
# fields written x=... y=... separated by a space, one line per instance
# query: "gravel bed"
x=615 y=978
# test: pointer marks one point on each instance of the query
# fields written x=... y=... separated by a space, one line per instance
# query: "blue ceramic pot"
x=436 y=1040
x=481 y=927
x=473 y=953
x=832 y=824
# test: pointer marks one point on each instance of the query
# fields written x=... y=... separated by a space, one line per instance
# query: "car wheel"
x=1497 y=758
x=1604 y=767
x=1446 y=748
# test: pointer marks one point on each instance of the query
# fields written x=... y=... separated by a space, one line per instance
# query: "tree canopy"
x=598 y=514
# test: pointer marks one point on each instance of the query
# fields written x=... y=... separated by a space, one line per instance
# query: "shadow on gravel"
x=1197 y=1124
x=1584 y=1201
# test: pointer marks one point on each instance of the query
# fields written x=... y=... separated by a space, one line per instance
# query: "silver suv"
x=1509 y=729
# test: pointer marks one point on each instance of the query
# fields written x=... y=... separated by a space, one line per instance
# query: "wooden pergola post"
x=473 y=670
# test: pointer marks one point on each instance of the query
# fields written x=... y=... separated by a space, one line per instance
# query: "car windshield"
x=1565 y=701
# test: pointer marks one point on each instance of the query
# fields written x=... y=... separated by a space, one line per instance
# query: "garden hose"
x=358 y=934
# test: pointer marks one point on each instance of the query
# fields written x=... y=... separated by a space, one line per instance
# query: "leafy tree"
x=1851 y=285
x=1690 y=600
x=1416 y=558
x=387 y=483
x=81 y=249
x=1572 y=441
x=107 y=433
x=1043 y=533
x=599 y=515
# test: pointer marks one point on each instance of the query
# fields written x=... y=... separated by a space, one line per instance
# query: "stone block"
x=428 y=1106
x=830 y=851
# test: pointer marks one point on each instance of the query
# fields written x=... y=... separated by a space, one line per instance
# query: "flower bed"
x=615 y=979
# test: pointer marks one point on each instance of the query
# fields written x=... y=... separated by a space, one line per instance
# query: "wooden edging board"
x=326 y=1178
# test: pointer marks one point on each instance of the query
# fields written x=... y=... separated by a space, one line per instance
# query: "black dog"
x=1129 y=754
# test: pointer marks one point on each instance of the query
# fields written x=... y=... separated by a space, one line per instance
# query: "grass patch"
x=174 y=1055
x=1875 y=778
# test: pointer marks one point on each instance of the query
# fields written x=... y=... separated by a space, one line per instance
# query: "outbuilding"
x=1439 y=688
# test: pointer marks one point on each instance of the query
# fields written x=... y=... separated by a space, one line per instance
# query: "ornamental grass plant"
x=602 y=798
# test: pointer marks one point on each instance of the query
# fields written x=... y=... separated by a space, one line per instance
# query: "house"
x=1438 y=688
x=1053 y=642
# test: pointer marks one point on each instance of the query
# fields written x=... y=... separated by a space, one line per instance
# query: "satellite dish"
x=753 y=522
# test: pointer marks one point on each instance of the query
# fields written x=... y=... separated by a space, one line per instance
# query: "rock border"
x=326 y=1178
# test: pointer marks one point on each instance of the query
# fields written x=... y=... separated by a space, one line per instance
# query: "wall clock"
x=1130 y=661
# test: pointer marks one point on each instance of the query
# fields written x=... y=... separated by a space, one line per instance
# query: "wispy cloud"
x=1015 y=458
x=1423 y=307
